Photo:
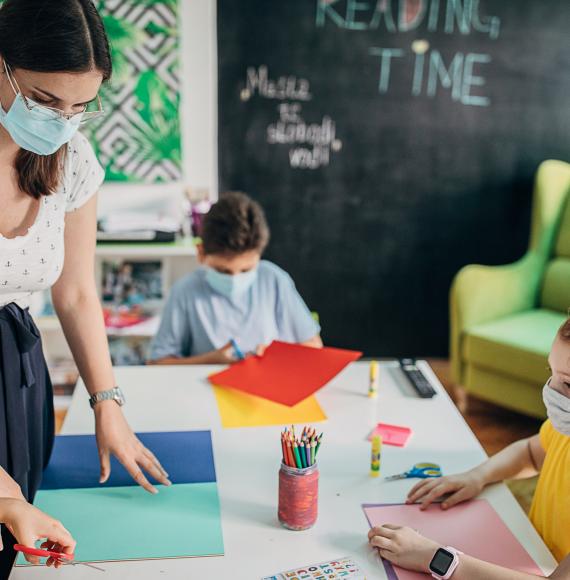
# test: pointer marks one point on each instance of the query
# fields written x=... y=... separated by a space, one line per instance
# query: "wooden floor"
x=494 y=426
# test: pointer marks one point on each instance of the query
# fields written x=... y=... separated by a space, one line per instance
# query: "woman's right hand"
x=458 y=488
x=28 y=524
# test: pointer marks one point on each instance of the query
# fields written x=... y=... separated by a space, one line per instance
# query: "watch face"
x=441 y=562
x=119 y=397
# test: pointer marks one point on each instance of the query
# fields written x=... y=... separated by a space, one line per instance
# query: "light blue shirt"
x=197 y=319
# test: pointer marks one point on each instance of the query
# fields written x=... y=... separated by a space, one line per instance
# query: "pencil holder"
x=298 y=496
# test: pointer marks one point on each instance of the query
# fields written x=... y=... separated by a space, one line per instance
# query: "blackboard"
x=390 y=144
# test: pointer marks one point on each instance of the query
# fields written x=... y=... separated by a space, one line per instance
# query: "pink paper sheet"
x=474 y=527
x=392 y=434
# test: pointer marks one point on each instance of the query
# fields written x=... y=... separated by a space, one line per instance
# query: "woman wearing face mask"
x=547 y=453
x=53 y=58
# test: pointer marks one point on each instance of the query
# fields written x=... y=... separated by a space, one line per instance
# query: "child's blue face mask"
x=34 y=127
x=231 y=286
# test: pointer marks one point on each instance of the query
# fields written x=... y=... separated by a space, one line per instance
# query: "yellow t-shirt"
x=550 y=510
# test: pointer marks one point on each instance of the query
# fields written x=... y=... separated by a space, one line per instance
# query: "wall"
x=198 y=116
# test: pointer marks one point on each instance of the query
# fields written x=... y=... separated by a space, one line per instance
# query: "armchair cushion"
x=515 y=345
x=556 y=286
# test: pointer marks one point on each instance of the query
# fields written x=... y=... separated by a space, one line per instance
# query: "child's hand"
x=224 y=355
x=403 y=547
x=28 y=524
x=260 y=349
x=461 y=487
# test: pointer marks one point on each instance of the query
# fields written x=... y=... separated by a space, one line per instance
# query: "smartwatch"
x=444 y=563
x=114 y=394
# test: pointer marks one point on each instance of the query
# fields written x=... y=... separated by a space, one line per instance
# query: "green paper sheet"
x=128 y=523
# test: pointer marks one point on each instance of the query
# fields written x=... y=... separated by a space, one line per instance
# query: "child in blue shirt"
x=233 y=295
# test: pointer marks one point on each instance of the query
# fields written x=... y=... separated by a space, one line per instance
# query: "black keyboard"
x=417 y=379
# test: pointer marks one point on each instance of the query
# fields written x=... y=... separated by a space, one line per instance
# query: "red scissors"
x=43 y=553
x=59 y=556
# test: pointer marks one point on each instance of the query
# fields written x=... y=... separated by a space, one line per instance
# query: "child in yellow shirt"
x=547 y=453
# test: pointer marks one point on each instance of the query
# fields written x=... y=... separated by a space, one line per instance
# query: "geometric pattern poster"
x=138 y=138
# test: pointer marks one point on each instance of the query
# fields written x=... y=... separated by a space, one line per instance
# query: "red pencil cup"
x=298 y=496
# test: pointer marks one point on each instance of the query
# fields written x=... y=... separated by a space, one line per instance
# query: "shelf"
x=184 y=247
x=147 y=328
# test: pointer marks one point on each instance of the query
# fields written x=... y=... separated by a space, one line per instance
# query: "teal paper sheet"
x=128 y=523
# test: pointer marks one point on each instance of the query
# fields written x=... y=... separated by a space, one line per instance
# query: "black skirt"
x=26 y=410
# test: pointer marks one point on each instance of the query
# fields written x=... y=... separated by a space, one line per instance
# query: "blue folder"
x=186 y=455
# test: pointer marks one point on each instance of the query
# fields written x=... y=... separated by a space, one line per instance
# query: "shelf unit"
x=178 y=259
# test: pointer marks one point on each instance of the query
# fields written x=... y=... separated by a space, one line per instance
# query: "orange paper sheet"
x=286 y=373
x=474 y=528
x=239 y=409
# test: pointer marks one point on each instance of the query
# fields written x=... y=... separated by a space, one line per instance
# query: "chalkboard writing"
x=391 y=142
x=310 y=143
x=458 y=15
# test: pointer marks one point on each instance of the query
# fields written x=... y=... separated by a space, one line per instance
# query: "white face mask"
x=558 y=409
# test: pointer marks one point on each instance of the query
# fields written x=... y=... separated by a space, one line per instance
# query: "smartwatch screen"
x=441 y=562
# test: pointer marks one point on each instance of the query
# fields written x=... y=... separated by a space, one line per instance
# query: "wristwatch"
x=444 y=563
x=114 y=394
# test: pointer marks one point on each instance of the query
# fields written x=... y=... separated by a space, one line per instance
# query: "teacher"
x=54 y=56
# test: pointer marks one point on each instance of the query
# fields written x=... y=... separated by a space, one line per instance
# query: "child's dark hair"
x=565 y=331
x=234 y=225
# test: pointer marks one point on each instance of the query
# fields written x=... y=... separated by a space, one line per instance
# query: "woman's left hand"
x=115 y=436
x=403 y=547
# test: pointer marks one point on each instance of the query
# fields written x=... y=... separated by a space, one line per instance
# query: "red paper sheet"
x=474 y=528
x=286 y=373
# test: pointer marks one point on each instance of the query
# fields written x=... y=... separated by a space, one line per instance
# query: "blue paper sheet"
x=186 y=455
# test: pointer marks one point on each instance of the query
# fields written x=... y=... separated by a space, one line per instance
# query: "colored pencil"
x=291 y=455
x=284 y=450
x=298 y=463
x=300 y=451
x=303 y=454
x=318 y=444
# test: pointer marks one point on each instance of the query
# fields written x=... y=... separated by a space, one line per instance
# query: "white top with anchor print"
x=33 y=262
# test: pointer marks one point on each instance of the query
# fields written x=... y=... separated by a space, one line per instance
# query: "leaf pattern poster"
x=138 y=138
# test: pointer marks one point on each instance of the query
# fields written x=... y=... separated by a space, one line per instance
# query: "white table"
x=179 y=398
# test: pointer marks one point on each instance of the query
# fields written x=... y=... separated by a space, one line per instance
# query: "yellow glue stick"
x=373 y=384
x=375 y=457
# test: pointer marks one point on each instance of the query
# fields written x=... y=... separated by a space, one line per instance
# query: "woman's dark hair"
x=234 y=225
x=51 y=36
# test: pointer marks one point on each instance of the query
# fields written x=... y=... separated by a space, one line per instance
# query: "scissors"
x=421 y=470
x=60 y=556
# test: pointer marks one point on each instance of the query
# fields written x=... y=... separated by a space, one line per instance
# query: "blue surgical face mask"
x=231 y=286
x=34 y=127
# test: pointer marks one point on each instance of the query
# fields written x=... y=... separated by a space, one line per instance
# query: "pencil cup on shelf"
x=298 y=496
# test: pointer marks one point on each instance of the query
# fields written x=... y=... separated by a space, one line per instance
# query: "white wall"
x=198 y=75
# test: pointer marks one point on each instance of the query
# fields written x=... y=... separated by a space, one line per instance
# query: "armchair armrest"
x=484 y=293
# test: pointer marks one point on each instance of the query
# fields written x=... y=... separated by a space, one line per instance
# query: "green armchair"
x=504 y=318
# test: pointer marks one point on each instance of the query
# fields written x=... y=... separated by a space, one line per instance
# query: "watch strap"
x=114 y=394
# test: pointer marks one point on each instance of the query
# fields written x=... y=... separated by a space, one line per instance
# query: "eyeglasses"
x=83 y=116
